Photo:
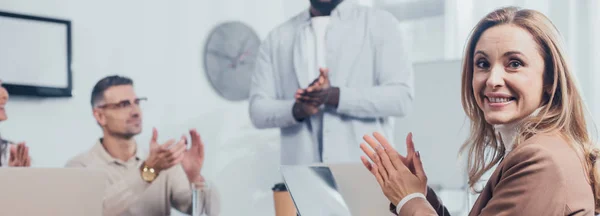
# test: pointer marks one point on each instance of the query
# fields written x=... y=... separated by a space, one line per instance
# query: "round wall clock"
x=229 y=57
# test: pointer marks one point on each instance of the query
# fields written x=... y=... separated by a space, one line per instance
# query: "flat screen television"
x=35 y=55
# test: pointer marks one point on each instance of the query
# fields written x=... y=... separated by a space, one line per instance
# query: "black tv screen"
x=35 y=55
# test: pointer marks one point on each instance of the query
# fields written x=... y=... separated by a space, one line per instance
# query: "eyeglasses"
x=123 y=104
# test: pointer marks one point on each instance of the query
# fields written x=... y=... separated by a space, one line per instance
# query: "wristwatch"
x=148 y=173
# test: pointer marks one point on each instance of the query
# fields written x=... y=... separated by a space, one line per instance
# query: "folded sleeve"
x=266 y=109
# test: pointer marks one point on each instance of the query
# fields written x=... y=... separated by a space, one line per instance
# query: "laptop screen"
x=314 y=191
x=335 y=189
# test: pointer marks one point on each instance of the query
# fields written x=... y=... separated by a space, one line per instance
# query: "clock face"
x=229 y=58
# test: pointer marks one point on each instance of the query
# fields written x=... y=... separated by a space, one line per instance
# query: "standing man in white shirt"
x=328 y=76
x=143 y=186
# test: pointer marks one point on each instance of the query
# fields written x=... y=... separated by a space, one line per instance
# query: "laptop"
x=335 y=190
x=51 y=191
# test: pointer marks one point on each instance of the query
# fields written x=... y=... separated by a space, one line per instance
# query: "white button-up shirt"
x=367 y=61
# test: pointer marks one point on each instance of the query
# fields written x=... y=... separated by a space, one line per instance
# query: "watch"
x=148 y=173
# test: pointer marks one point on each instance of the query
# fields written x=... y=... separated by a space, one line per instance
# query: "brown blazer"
x=542 y=176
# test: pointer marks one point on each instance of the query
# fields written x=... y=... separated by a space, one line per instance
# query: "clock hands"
x=240 y=60
x=243 y=47
x=242 y=53
x=220 y=54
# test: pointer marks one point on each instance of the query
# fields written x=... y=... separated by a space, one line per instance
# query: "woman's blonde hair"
x=563 y=111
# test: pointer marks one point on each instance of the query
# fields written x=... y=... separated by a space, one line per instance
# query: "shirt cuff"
x=406 y=199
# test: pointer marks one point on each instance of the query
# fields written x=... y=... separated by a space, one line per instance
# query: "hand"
x=19 y=156
x=166 y=155
x=301 y=110
x=394 y=177
x=319 y=92
x=409 y=160
x=193 y=158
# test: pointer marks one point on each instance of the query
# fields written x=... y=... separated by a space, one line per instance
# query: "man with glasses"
x=151 y=186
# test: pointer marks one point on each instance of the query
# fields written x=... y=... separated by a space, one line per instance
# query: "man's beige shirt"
x=127 y=194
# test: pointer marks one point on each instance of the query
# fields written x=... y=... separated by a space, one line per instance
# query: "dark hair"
x=105 y=83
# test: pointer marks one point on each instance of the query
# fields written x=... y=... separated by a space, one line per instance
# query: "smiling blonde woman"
x=527 y=117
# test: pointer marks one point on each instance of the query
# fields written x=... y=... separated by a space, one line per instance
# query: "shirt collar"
x=509 y=132
x=342 y=11
x=101 y=152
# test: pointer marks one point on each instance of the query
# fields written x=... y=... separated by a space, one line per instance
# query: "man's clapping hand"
x=319 y=92
x=166 y=155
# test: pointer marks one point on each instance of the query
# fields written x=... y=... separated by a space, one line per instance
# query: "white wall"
x=439 y=128
x=159 y=44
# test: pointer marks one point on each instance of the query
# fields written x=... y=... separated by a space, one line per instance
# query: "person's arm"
x=181 y=197
x=433 y=200
x=119 y=196
x=532 y=183
x=436 y=203
x=266 y=110
x=416 y=207
x=393 y=93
